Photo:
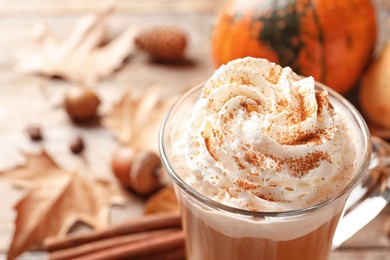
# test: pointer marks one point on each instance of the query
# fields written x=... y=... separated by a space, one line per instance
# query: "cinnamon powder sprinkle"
x=315 y=138
x=254 y=159
x=259 y=160
x=251 y=207
x=238 y=162
x=268 y=197
x=282 y=104
x=248 y=107
x=242 y=80
x=246 y=185
x=297 y=167
x=271 y=197
x=322 y=101
x=300 y=113
x=304 y=139
x=212 y=141
x=228 y=191
x=304 y=113
x=210 y=147
x=273 y=76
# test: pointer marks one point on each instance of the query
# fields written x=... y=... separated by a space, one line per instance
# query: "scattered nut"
x=121 y=163
x=144 y=177
x=164 y=43
x=77 y=145
x=137 y=170
x=34 y=132
x=81 y=103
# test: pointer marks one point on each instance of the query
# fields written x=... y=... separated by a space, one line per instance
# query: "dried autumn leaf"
x=163 y=201
x=80 y=58
x=56 y=199
x=136 y=122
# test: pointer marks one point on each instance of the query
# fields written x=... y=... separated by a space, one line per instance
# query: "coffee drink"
x=263 y=157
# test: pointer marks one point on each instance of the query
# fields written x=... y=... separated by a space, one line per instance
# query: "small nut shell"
x=34 y=132
x=81 y=103
x=163 y=43
x=77 y=145
x=144 y=178
x=121 y=164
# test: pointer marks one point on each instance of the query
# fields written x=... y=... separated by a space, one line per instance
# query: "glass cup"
x=216 y=231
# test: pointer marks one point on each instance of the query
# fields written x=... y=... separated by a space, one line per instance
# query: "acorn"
x=137 y=169
x=163 y=43
x=121 y=164
x=81 y=103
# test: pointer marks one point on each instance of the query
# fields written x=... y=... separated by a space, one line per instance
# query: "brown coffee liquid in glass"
x=205 y=243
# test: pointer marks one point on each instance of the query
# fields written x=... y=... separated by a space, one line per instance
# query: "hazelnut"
x=80 y=103
x=77 y=145
x=144 y=177
x=137 y=170
x=163 y=43
x=121 y=164
x=34 y=132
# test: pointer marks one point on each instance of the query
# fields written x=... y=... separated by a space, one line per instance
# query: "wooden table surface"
x=30 y=99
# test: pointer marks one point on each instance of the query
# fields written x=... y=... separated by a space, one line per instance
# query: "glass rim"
x=359 y=174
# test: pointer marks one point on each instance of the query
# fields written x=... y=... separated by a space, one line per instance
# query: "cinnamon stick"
x=105 y=244
x=173 y=254
x=146 y=223
x=141 y=248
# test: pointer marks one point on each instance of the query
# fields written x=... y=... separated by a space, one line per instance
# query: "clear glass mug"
x=216 y=231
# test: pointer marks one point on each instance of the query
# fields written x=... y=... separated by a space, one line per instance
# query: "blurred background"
x=34 y=97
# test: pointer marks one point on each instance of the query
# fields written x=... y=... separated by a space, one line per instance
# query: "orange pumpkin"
x=331 y=40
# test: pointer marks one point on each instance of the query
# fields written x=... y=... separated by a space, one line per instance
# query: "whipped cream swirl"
x=262 y=138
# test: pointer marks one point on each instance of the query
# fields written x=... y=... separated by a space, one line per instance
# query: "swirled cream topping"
x=262 y=138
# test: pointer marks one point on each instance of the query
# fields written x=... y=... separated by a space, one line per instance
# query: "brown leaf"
x=163 y=201
x=136 y=121
x=80 y=58
x=55 y=201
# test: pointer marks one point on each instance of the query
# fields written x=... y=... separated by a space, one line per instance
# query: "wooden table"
x=23 y=98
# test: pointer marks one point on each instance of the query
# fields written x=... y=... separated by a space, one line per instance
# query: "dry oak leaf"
x=163 y=201
x=56 y=199
x=136 y=121
x=84 y=56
